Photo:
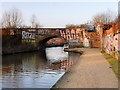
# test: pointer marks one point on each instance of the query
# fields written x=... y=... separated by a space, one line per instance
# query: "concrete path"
x=91 y=71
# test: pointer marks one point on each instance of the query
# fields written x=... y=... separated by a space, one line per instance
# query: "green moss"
x=67 y=72
x=53 y=87
x=114 y=63
x=103 y=52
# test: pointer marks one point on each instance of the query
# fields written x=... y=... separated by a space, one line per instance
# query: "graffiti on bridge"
x=28 y=35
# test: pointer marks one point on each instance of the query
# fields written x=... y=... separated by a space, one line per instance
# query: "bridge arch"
x=42 y=43
x=47 y=39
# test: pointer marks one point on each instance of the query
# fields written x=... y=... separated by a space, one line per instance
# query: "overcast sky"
x=58 y=14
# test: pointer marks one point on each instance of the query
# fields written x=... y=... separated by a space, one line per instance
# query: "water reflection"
x=57 y=54
x=36 y=70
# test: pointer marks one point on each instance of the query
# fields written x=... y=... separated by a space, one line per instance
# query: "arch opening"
x=52 y=41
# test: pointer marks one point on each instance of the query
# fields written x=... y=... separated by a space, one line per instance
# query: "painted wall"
x=86 y=42
x=72 y=33
x=111 y=41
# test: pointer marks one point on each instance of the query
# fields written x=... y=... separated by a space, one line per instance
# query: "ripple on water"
x=36 y=70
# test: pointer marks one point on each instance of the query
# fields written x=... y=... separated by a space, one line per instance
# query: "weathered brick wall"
x=94 y=39
x=72 y=33
x=111 y=41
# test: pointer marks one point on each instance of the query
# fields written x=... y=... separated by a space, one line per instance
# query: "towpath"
x=91 y=71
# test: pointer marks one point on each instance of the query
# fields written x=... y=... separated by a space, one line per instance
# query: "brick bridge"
x=45 y=34
x=40 y=35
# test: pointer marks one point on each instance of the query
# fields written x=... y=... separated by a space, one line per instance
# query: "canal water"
x=36 y=69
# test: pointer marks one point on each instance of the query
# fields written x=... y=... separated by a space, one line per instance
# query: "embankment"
x=91 y=71
x=14 y=44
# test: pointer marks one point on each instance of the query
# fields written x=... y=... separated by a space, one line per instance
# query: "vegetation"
x=34 y=22
x=12 y=19
x=86 y=26
x=72 y=26
x=11 y=35
x=104 y=18
x=67 y=72
x=107 y=17
x=113 y=62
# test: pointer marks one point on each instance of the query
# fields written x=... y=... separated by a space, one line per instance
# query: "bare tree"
x=34 y=22
x=12 y=18
x=104 y=18
x=70 y=26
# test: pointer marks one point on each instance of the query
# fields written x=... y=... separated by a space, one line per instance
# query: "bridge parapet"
x=47 y=31
x=44 y=33
x=33 y=35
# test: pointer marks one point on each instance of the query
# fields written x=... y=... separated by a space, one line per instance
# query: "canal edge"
x=67 y=73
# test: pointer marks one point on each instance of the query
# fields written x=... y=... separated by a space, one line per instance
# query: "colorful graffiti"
x=111 y=44
x=110 y=39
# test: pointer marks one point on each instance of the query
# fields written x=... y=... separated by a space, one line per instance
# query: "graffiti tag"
x=28 y=35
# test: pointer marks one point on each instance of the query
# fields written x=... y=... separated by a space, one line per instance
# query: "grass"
x=67 y=72
x=54 y=86
x=113 y=62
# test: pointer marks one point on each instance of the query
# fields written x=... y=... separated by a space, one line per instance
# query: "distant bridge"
x=36 y=37
x=40 y=35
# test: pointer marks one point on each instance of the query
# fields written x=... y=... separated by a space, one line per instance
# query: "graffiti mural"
x=111 y=44
x=111 y=41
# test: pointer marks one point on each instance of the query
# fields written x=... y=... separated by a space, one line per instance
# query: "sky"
x=119 y=8
x=59 y=14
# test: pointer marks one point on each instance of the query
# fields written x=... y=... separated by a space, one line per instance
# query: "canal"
x=36 y=69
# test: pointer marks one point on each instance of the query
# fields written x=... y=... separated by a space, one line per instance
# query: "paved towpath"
x=91 y=71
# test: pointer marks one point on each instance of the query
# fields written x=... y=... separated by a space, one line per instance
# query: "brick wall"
x=72 y=33
x=94 y=38
x=111 y=41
